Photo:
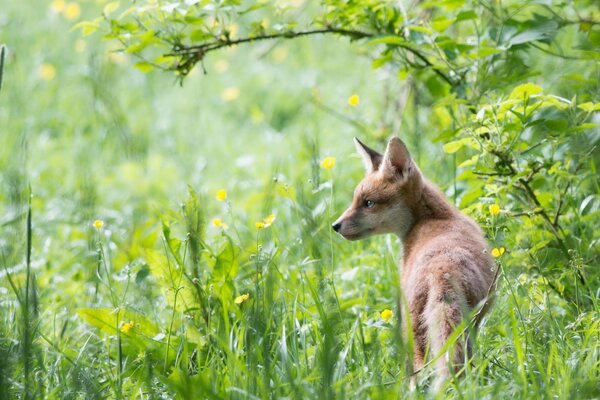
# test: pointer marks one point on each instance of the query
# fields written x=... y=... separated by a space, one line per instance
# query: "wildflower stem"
x=2 y=51
x=27 y=325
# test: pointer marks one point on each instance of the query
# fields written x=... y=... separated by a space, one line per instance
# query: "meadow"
x=167 y=239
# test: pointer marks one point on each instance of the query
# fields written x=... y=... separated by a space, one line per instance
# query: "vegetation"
x=160 y=241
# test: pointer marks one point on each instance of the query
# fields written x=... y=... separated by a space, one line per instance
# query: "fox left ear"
x=396 y=160
x=371 y=158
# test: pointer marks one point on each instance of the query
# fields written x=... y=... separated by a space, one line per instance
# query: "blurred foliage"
x=162 y=242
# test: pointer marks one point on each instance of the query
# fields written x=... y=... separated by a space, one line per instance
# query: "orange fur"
x=446 y=270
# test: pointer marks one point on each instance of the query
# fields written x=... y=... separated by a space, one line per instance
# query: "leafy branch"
x=191 y=55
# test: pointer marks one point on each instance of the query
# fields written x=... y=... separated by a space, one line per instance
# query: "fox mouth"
x=352 y=237
x=357 y=236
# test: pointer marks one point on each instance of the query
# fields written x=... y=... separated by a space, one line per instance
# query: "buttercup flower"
x=266 y=222
x=269 y=220
x=219 y=223
x=47 y=72
x=98 y=224
x=498 y=251
x=354 y=100
x=221 y=195
x=494 y=209
x=386 y=315
x=328 y=162
x=230 y=94
x=126 y=327
x=58 y=5
x=72 y=11
x=241 y=299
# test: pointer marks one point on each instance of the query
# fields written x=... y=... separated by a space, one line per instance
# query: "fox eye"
x=369 y=204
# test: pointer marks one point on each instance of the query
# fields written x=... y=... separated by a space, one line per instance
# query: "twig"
x=201 y=49
x=480 y=173
x=194 y=54
x=2 y=51
x=560 y=204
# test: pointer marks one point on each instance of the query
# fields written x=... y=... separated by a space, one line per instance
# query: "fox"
x=446 y=273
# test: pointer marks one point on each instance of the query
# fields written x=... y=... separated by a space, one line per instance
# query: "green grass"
x=101 y=140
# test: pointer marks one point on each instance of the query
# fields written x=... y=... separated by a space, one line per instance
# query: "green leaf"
x=110 y=7
x=440 y=24
x=420 y=29
x=453 y=147
x=466 y=15
x=589 y=106
x=87 y=27
x=391 y=39
x=541 y=31
x=199 y=35
x=381 y=61
x=470 y=162
x=483 y=52
x=524 y=91
x=584 y=127
x=474 y=194
x=105 y=319
x=110 y=320
x=144 y=66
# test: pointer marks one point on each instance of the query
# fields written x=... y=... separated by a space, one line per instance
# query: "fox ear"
x=371 y=158
x=396 y=160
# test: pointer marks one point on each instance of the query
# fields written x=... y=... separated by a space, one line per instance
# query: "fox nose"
x=336 y=226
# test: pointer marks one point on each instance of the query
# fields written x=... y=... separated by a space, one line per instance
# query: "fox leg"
x=419 y=338
x=443 y=313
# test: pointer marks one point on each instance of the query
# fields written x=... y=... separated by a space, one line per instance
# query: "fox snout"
x=336 y=226
x=349 y=225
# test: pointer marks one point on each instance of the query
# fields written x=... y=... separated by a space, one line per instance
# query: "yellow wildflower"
x=126 y=327
x=221 y=195
x=269 y=220
x=266 y=222
x=98 y=224
x=354 y=100
x=498 y=251
x=221 y=66
x=328 y=162
x=230 y=94
x=58 y=5
x=241 y=299
x=47 y=72
x=386 y=315
x=72 y=11
x=219 y=223
x=494 y=209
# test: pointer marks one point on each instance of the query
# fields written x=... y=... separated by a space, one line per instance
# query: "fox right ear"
x=371 y=158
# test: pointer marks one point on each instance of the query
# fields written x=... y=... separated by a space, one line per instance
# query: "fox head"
x=386 y=197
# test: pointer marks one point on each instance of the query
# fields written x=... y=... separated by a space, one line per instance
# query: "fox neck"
x=428 y=204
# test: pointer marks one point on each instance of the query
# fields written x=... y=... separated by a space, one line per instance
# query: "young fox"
x=446 y=270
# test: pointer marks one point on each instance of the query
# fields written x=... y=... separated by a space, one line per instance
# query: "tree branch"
x=202 y=49
x=191 y=55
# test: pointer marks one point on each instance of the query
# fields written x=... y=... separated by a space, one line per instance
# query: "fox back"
x=446 y=274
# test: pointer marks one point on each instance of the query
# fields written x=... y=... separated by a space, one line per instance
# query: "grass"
x=144 y=306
